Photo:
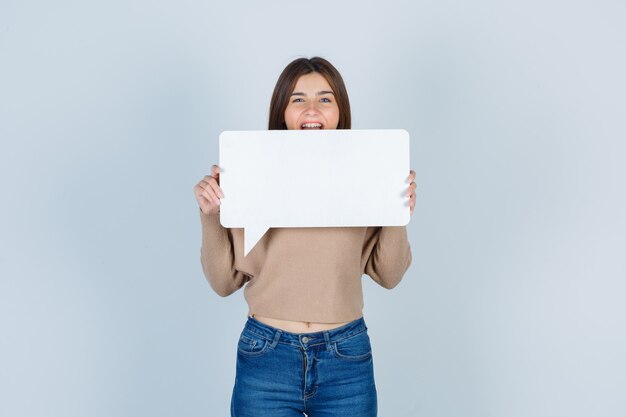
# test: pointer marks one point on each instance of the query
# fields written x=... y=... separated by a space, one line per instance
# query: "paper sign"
x=313 y=178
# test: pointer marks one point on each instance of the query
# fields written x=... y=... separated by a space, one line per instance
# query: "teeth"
x=311 y=125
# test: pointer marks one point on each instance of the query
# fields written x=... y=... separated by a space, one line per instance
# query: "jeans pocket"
x=356 y=347
x=251 y=344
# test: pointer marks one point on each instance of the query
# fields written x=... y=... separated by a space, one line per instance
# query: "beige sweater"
x=306 y=273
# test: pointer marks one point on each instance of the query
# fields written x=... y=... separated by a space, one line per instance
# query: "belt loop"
x=327 y=339
x=276 y=338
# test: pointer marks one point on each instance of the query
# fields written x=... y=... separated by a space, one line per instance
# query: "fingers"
x=411 y=203
x=412 y=184
x=204 y=192
x=216 y=188
x=411 y=189
x=411 y=176
x=205 y=202
x=213 y=183
x=209 y=190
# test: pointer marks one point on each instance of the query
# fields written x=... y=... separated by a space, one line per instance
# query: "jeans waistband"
x=325 y=336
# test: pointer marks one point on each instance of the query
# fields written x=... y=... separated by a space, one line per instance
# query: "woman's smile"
x=312 y=125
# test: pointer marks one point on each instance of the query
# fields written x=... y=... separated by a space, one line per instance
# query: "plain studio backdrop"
x=110 y=113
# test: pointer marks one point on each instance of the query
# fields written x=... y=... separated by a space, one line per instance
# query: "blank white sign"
x=313 y=178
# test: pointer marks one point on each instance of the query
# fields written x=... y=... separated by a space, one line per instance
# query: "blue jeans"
x=322 y=374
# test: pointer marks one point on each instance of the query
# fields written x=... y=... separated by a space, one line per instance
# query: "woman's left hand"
x=411 y=191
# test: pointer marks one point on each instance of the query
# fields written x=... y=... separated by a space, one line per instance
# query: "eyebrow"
x=319 y=93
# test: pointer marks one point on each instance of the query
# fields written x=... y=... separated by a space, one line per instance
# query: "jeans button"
x=305 y=339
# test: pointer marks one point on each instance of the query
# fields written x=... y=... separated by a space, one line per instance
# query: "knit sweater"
x=306 y=273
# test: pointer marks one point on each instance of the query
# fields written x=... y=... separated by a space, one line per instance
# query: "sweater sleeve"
x=390 y=256
x=217 y=256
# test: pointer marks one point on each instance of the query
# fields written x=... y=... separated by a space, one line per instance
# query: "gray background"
x=110 y=113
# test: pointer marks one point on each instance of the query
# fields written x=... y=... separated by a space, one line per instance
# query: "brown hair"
x=287 y=82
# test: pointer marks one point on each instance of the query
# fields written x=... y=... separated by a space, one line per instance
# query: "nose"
x=312 y=108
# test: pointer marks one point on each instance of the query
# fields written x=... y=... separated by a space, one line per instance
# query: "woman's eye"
x=325 y=100
x=297 y=100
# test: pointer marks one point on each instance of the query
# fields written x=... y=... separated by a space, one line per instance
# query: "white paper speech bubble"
x=313 y=178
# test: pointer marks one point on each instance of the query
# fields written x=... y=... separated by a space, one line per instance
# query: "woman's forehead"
x=312 y=81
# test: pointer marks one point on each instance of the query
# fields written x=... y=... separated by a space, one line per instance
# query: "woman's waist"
x=297 y=326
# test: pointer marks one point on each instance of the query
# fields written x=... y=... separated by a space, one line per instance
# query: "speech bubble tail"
x=251 y=235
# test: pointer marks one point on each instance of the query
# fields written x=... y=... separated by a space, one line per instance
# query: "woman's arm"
x=390 y=255
x=388 y=248
x=217 y=256
x=217 y=253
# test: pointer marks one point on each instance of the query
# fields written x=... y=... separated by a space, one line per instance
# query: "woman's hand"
x=411 y=191
x=208 y=192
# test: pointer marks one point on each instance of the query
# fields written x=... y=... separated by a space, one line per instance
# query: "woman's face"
x=312 y=104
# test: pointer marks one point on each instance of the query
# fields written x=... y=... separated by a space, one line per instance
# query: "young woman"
x=304 y=347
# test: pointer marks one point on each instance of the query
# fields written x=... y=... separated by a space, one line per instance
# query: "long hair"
x=287 y=82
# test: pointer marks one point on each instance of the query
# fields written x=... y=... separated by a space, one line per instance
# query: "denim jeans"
x=322 y=374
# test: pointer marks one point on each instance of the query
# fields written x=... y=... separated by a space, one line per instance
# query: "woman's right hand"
x=208 y=192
